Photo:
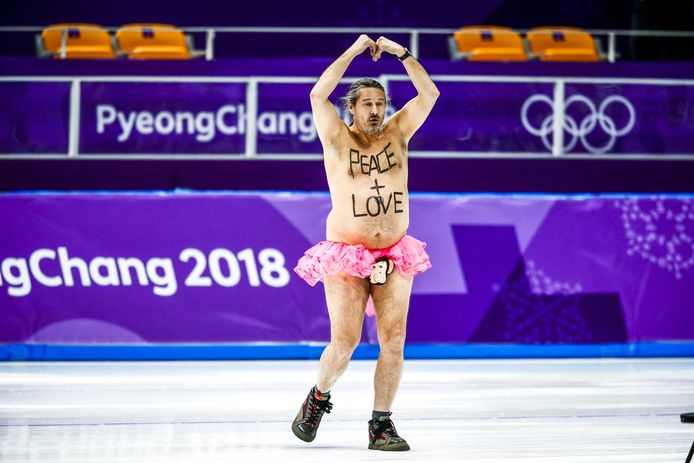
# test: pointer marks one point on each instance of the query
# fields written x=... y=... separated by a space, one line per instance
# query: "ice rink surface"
x=492 y=411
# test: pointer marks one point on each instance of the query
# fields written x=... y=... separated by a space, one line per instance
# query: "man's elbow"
x=317 y=95
x=431 y=94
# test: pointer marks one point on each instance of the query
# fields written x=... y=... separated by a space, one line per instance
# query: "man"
x=367 y=252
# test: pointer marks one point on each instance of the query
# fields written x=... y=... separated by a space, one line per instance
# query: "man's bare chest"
x=371 y=180
x=373 y=161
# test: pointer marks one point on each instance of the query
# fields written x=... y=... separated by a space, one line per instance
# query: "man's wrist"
x=351 y=53
x=404 y=55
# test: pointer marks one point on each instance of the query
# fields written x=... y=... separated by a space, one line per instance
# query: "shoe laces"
x=316 y=408
x=387 y=428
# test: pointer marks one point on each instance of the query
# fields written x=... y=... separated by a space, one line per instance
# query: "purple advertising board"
x=474 y=116
x=614 y=118
x=621 y=119
x=285 y=122
x=162 y=117
x=470 y=117
x=138 y=268
x=34 y=117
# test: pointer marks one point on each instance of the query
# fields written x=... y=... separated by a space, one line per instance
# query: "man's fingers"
x=378 y=47
x=387 y=45
x=365 y=42
x=375 y=52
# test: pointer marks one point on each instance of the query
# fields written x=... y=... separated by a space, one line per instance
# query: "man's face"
x=369 y=110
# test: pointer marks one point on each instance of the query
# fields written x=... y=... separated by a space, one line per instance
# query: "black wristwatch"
x=405 y=55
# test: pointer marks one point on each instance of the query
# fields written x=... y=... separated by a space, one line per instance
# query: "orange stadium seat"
x=562 y=44
x=153 y=41
x=488 y=43
x=80 y=41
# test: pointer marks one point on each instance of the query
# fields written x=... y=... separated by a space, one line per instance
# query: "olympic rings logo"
x=580 y=131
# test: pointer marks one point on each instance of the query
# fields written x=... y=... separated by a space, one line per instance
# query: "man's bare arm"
x=327 y=122
x=415 y=112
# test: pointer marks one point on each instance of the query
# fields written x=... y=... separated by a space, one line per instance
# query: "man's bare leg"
x=392 y=301
x=346 y=297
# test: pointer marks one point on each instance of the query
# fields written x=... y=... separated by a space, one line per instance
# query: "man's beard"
x=372 y=129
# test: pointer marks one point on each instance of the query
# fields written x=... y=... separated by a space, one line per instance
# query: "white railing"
x=413 y=33
x=251 y=102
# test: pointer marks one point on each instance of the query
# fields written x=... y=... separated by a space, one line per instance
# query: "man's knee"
x=392 y=340
x=345 y=344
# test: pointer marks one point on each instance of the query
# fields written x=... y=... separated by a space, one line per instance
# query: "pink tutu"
x=329 y=258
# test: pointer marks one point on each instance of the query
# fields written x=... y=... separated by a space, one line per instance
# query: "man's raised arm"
x=415 y=112
x=327 y=122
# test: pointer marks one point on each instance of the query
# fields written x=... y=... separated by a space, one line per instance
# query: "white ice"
x=491 y=411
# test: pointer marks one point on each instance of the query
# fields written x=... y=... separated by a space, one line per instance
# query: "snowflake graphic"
x=542 y=310
x=542 y=284
x=660 y=231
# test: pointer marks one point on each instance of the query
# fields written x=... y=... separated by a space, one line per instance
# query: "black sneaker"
x=306 y=423
x=383 y=436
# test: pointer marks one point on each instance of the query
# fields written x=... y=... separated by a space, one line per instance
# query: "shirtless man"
x=367 y=252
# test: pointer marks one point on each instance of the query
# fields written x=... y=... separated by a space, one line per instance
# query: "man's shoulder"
x=393 y=122
x=393 y=132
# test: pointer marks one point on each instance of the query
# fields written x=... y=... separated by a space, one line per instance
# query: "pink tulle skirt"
x=329 y=258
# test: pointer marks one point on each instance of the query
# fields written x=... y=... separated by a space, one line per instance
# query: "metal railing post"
x=414 y=43
x=611 y=47
x=251 y=117
x=383 y=79
x=209 y=45
x=63 y=44
x=558 y=111
x=74 y=127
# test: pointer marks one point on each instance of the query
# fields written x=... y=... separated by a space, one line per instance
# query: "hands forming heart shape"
x=379 y=46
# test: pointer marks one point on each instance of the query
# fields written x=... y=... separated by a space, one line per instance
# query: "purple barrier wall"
x=186 y=268
x=484 y=174
x=508 y=117
x=34 y=117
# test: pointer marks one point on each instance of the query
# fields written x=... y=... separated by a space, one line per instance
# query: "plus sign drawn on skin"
x=377 y=187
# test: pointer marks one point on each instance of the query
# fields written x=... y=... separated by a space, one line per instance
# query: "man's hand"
x=362 y=43
x=387 y=45
x=377 y=47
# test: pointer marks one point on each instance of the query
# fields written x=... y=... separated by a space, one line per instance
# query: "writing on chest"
x=378 y=204
x=372 y=163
